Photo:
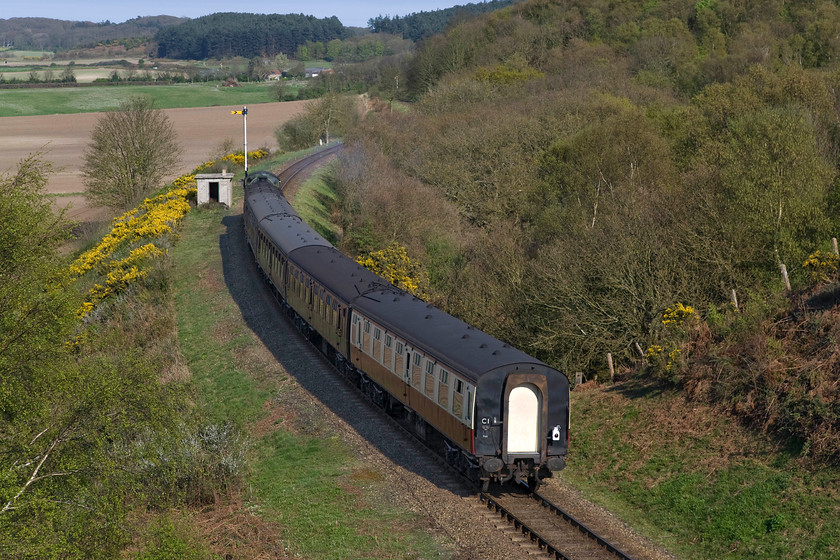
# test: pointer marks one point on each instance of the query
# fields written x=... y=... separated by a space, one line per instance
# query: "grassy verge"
x=697 y=481
x=312 y=201
x=51 y=101
x=303 y=480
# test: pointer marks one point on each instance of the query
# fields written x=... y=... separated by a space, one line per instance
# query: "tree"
x=30 y=311
x=324 y=118
x=763 y=188
x=131 y=151
x=41 y=447
x=83 y=412
x=67 y=75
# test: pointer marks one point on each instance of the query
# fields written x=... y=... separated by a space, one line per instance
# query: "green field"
x=52 y=101
x=24 y=55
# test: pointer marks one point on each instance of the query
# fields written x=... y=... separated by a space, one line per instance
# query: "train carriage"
x=493 y=410
x=489 y=399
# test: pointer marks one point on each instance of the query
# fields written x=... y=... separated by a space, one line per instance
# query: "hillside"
x=588 y=180
x=419 y=25
x=57 y=35
x=234 y=34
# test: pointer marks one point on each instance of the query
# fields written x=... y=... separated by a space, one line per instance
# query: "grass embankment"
x=304 y=482
x=697 y=481
x=312 y=203
x=68 y=100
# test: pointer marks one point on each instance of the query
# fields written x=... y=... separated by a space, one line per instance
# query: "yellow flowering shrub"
x=666 y=360
x=237 y=158
x=149 y=221
x=673 y=356
x=821 y=265
x=120 y=275
x=653 y=352
x=152 y=218
x=677 y=315
x=394 y=264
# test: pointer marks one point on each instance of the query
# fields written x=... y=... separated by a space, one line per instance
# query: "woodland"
x=230 y=34
x=420 y=25
x=586 y=178
x=61 y=35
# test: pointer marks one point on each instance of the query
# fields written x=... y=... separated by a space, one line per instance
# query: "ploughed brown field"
x=64 y=138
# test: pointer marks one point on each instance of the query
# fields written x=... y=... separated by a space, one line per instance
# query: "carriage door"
x=523 y=419
x=407 y=366
x=357 y=331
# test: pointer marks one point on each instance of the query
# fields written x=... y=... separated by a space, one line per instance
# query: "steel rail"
x=580 y=526
x=291 y=171
x=542 y=541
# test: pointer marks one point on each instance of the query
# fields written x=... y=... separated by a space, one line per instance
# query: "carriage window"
x=388 y=340
x=444 y=376
x=430 y=367
x=367 y=327
x=377 y=334
x=459 y=386
x=399 y=348
x=329 y=301
x=417 y=358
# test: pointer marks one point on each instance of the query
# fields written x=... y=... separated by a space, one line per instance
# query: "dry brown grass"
x=231 y=529
x=779 y=373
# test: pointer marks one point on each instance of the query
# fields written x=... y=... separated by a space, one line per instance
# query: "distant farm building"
x=315 y=72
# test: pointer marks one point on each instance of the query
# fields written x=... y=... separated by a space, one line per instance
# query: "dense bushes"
x=324 y=119
x=95 y=406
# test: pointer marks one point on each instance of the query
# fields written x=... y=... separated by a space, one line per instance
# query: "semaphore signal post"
x=244 y=113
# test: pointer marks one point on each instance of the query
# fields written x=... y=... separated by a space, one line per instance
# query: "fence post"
x=578 y=378
x=834 y=246
x=639 y=350
x=734 y=299
x=610 y=363
x=785 y=277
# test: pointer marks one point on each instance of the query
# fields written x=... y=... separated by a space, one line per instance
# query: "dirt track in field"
x=64 y=138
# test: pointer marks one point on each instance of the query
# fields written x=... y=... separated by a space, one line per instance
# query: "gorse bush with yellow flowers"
x=665 y=360
x=678 y=315
x=235 y=158
x=821 y=265
x=394 y=264
x=149 y=222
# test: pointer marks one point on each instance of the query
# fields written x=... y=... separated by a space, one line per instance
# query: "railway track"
x=536 y=525
x=290 y=172
x=548 y=528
